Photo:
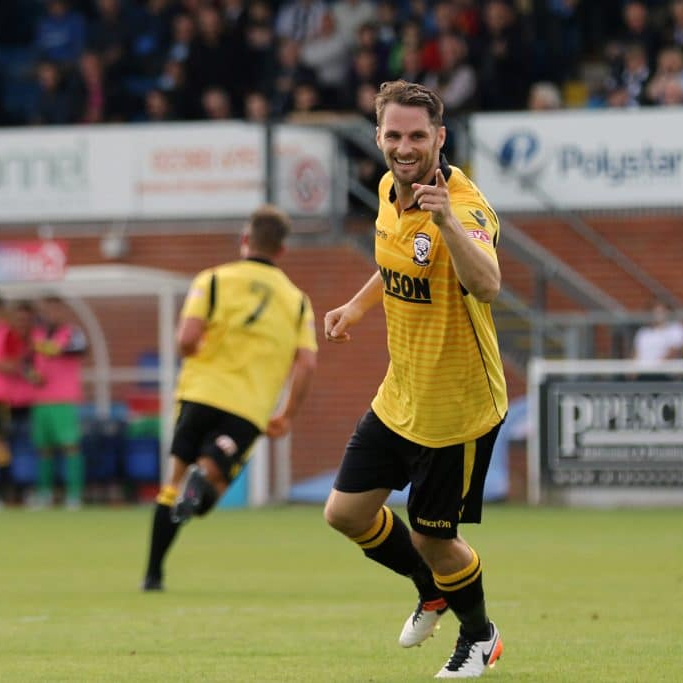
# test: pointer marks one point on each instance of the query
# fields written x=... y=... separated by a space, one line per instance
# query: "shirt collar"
x=445 y=169
x=260 y=259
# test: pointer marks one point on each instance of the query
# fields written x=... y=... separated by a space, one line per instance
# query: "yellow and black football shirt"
x=445 y=382
x=256 y=319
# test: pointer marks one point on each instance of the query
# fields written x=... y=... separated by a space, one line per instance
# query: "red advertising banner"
x=39 y=260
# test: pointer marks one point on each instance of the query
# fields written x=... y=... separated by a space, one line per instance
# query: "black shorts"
x=446 y=484
x=202 y=430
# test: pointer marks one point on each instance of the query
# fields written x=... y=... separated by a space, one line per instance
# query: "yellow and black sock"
x=164 y=531
x=464 y=592
x=388 y=542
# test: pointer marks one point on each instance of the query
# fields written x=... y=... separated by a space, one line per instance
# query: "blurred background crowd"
x=97 y=61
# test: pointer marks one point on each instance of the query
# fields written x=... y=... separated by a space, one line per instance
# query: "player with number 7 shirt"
x=245 y=333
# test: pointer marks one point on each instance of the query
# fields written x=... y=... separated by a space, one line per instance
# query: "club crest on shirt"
x=422 y=244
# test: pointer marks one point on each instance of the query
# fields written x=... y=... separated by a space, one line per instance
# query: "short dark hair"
x=409 y=95
x=268 y=228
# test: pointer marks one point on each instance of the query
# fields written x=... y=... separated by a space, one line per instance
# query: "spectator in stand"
x=158 y=108
x=300 y=20
x=173 y=83
x=366 y=169
x=93 y=89
x=544 y=96
x=108 y=35
x=260 y=11
x=261 y=55
x=150 y=37
x=441 y=22
x=212 y=59
x=672 y=94
x=235 y=17
x=467 y=17
x=55 y=421
x=456 y=80
x=290 y=71
x=365 y=68
x=411 y=66
x=18 y=375
x=502 y=59
x=216 y=104
x=350 y=15
x=387 y=23
x=306 y=100
x=669 y=69
x=60 y=33
x=562 y=38
x=628 y=88
x=638 y=29
x=660 y=340
x=410 y=38
x=673 y=29
x=417 y=10
x=368 y=37
x=327 y=55
x=256 y=107
x=183 y=31
x=58 y=102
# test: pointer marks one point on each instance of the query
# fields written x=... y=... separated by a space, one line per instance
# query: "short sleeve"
x=307 y=338
x=198 y=298
x=480 y=224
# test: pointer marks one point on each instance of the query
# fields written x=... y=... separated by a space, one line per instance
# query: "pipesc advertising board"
x=600 y=437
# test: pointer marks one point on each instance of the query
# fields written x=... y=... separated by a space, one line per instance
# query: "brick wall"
x=348 y=375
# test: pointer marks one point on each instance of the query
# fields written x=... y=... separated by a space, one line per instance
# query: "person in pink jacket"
x=18 y=381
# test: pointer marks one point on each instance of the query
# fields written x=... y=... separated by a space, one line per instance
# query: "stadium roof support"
x=109 y=281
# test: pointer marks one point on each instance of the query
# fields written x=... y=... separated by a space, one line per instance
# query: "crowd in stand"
x=93 y=61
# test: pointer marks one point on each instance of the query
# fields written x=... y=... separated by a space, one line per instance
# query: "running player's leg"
x=164 y=528
x=225 y=450
x=372 y=466
x=210 y=447
x=450 y=492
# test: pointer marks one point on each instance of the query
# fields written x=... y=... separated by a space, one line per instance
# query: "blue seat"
x=103 y=445
x=141 y=462
x=24 y=459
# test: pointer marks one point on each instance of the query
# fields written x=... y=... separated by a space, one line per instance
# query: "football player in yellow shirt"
x=436 y=415
x=245 y=331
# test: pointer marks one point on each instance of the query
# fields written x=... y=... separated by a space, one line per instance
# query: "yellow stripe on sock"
x=378 y=532
x=462 y=578
x=167 y=495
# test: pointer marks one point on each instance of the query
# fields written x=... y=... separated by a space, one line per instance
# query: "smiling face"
x=410 y=143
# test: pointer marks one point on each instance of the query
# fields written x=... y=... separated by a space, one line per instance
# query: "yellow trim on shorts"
x=469 y=451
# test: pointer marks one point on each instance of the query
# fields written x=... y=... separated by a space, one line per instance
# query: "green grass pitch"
x=274 y=596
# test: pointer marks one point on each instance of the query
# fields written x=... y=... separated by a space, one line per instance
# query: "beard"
x=414 y=173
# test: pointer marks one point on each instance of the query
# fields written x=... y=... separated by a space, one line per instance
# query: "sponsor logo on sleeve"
x=479 y=216
x=480 y=235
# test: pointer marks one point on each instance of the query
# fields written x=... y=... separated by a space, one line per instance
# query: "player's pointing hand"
x=434 y=198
